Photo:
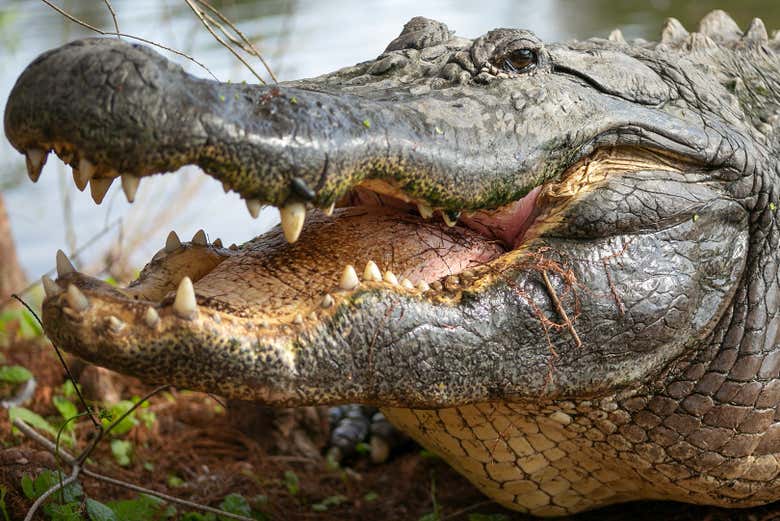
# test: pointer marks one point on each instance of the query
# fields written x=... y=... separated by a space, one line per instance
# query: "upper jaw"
x=112 y=109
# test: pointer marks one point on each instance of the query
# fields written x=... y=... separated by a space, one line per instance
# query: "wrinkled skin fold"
x=582 y=237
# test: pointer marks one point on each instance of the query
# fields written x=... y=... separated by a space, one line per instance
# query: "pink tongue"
x=277 y=277
x=507 y=224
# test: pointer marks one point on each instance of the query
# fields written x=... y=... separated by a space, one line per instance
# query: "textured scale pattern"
x=668 y=268
x=710 y=434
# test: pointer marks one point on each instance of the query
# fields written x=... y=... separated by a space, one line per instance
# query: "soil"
x=195 y=439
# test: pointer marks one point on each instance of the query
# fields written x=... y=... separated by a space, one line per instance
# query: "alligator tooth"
x=35 y=158
x=151 y=317
x=50 y=288
x=130 y=186
x=390 y=278
x=313 y=315
x=327 y=301
x=298 y=319
x=218 y=243
x=185 y=305
x=114 y=324
x=98 y=187
x=423 y=286
x=349 y=279
x=77 y=180
x=450 y=218
x=372 y=273
x=200 y=238
x=172 y=243
x=406 y=283
x=426 y=212
x=293 y=215
x=64 y=266
x=76 y=299
x=264 y=324
x=81 y=176
x=329 y=210
x=254 y=206
x=225 y=187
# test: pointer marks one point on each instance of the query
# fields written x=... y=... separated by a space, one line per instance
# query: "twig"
x=163 y=496
x=129 y=36
x=65 y=455
x=467 y=509
x=135 y=406
x=561 y=311
x=613 y=289
x=113 y=15
x=200 y=14
x=252 y=49
x=62 y=361
x=26 y=391
x=54 y=488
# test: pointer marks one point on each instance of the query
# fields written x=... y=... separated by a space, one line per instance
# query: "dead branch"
x=203 y=20
x=113 y=15
x=245 y=43
x=56 y=487
x=561 y=310
x=129 y=36
x=77 y=470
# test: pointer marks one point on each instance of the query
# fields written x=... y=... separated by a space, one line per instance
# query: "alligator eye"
x=519 y=60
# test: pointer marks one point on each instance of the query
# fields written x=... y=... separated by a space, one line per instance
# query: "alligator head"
x=578 y=240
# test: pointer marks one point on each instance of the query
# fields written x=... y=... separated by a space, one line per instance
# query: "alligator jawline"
x=380 y=238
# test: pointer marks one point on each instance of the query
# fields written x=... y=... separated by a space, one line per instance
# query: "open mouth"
x=378 y=237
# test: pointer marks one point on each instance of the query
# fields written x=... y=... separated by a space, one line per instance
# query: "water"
x=299 y=39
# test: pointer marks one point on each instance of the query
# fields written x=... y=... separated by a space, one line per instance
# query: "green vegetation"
x=291 y=482
x=330 y=501
x=17 y=324
x=435 y=514
x=71 y=504
x=14 y=374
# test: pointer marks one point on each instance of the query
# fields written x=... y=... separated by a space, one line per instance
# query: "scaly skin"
x=625 y=347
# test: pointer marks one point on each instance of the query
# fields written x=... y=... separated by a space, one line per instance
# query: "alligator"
x=555 y=265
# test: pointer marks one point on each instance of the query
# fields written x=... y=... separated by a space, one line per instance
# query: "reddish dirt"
x=195 y=439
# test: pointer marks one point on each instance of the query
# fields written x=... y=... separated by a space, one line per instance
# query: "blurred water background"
x=299 y=38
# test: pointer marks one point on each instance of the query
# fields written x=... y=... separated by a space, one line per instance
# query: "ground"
x=189 y=447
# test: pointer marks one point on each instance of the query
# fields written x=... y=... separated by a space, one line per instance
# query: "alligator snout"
x=109 y=108
x=112 y=109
